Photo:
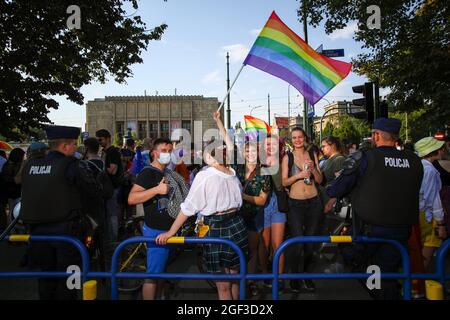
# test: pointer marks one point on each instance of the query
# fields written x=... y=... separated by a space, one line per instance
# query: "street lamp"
x=254 y=109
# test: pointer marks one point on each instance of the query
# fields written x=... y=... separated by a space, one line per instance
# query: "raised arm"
x=223 y=131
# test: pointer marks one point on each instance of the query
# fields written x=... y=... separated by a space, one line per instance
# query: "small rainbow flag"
x=282 y=53
x=253 y=126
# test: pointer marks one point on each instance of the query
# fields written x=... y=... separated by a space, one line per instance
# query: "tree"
x=118 y=139
x=418 y=128
x=350 y=130
x=40 y=56
x=408 y=54
x=328 y=130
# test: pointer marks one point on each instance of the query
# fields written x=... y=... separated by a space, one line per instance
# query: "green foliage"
x=40 y=57
x=418 y=127
x=118 y=139
x=409 y=54
x=328 y=130
x=350 y=129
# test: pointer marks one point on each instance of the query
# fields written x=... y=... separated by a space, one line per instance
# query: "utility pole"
x=305 y=103
x=268 y=106
x=228 y=89
x=289 y=108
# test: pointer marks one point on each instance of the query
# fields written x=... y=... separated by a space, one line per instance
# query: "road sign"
x=85 y=135
x=311 y=112
x=333 y=53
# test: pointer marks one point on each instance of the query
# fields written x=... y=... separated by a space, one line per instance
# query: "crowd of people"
x=284 y=188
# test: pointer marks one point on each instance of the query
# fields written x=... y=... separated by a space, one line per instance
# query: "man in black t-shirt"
x=113 y=165
x=151 y=190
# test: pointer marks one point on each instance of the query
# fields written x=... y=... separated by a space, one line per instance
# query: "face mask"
x=164 y=158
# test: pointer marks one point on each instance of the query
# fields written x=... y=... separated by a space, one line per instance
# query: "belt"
x=226 y=212
x=219 y=218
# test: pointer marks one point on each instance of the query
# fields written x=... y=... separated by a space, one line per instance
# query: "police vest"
x=388 y=193
x=47 y=196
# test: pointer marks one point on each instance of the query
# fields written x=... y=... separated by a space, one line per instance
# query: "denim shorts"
x=157 y=255
x=269 y=214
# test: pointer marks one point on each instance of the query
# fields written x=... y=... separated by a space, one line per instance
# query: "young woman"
x=256 y=188
x=216 y=193
x=271 y=221
x=305 y=207
x=331 y=148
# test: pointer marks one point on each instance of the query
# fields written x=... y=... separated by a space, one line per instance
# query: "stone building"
x=150 y=116
x=332 y=113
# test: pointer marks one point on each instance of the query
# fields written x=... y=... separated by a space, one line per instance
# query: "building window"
x=142 y=129
x=120 y=127
x=186 y=124
x=164 y=125
x=153 y=129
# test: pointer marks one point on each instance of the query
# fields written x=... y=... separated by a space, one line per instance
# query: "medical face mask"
x=164 y=158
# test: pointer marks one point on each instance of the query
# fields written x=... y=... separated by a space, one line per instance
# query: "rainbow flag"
x=282 y=53
x=253 y=127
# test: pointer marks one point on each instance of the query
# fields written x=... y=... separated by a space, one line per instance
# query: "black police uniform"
x=51 y=205
x=383 y=184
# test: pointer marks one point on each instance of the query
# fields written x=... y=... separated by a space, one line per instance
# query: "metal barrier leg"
x=90 y=290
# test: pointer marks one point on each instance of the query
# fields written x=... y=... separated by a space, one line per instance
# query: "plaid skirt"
x=217 y=257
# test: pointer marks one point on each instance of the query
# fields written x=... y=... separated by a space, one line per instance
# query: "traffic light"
x=383 y=110
x=368 y=102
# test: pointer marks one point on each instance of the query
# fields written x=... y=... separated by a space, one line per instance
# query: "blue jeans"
x=112 y=220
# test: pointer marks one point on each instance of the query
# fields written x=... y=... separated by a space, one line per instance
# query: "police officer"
x=51 y=205
x=384 y=185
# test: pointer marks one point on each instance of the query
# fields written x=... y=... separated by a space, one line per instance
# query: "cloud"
x=255 y=32
x=238 y=52
x=212 y=77
x=345 y=33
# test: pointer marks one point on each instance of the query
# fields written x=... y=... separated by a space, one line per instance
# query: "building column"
x=147 y=120
x=159 y=119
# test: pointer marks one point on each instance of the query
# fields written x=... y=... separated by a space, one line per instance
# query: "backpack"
x=100 y=179
x=105 y=181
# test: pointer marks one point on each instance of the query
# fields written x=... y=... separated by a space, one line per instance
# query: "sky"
x=190 y=58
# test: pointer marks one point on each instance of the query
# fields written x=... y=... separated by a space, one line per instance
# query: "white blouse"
x=213 y=191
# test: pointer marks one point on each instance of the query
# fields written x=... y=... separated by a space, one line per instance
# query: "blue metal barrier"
x=440 y=262
x=179 y=240
x=406 y=274
x=57 y=274
x=242 y=276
